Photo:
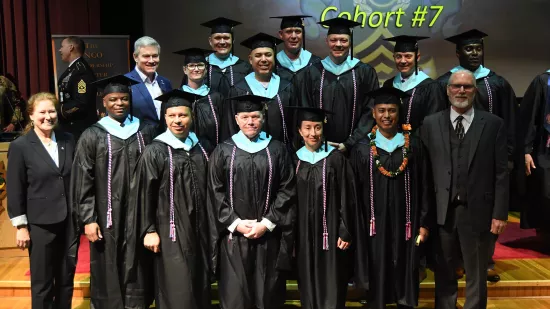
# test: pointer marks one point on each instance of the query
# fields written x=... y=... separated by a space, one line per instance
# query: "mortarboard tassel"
x=303 y=34
x=483 y=53
x=351 y=44
x=416 y=59
x=266 y=122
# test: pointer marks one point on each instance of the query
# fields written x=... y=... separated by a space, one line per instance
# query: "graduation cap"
x=222 y=25
x=194 y=55
x=387 y=95
x=177 y=98
x=472 y=36
x=341 y=25
x=251 y=103
x=114 y=84
x=405 y=44
x=312 y=114
x=290 y=21
x=261 y=40
x=117 y=84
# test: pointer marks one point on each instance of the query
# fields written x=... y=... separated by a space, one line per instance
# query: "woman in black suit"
x=38 y=178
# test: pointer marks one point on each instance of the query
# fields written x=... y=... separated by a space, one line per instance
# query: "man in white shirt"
x=152 y=85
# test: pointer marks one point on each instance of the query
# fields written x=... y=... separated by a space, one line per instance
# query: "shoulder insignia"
x=81 y=86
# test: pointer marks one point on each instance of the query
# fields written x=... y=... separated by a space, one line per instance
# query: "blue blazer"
x=142 y=102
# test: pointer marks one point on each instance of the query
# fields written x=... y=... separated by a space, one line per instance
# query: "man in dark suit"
x=151 y=84
x=468 y=155
x=76 y=95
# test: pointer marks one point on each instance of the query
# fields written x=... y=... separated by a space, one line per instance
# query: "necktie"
x=459 y=129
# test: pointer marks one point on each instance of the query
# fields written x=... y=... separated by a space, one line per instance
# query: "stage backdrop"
x=107 y=55
x=516 y=47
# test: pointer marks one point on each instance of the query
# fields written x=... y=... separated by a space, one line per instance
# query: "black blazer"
x=36 y=186
x=488 y=194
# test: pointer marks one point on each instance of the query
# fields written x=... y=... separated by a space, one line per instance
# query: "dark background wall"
x=26 y=27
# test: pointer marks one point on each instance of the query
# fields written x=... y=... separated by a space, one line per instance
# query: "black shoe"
x=493 y=278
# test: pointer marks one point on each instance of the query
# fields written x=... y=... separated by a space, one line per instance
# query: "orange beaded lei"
x=406 y=133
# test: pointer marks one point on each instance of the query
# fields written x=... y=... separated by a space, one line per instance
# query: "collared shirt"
x=466 y=122
x=52 y=150
x=73 y=61
x=153 y=88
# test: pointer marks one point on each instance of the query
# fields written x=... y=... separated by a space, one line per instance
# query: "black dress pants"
x=455 y=237
x=51 y=272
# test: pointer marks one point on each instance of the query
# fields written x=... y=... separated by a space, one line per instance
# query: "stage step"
x=502 y=289
x=520 y=278
x=506 y=303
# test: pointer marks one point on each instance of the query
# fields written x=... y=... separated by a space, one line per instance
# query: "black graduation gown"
x=222 y=80
x=348 y=124
x=392 y=262
x=429 y=98
x=323 y=275
x=208 y=112
x=504 y=103
x=536 y=210
x=89 y=189
x=287 y=74
x=281 y=129
x=251 y=272
x=181 y=269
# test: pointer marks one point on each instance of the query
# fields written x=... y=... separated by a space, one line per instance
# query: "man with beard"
x=535 y=121
x=225 y=69
x=424 y=96
x=208 y=107
x=494 y=94
x=327 y=216
x=251 y=205
x=263 y=82
x=105 y=159
x=392 y=175
x=339 y=83
x=169 y=194
x=294 y=58
x=468 y=159
x=77 y=95
x=151 y=84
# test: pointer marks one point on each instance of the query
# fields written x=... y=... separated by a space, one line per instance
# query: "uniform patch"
x=81 y=86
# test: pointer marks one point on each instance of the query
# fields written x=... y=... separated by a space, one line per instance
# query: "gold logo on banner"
x=81 y=86
x=381 y=58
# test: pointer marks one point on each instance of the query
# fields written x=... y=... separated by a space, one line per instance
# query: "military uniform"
x=77 y=98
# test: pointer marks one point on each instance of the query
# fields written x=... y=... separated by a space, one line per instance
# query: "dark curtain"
x=26 y=27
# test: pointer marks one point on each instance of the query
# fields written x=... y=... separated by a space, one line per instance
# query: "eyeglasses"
x=456 y=87
x=194 y=66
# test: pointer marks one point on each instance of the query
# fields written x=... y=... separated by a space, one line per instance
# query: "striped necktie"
x=459 y=128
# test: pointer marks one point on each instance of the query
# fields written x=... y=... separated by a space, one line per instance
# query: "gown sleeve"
x=348 y=200
x=220 y=213
x=509 y=112
x=83 y=178
x=359 y=161
x=530 y=113
x=282 y=211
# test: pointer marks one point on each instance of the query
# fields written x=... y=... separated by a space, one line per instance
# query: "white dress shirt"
x=466 y=122
x=51 y=148
x=153 y=88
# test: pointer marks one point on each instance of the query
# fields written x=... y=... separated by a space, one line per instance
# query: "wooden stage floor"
x=525 y=284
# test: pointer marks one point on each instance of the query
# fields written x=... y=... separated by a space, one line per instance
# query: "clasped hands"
x=251 y=229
